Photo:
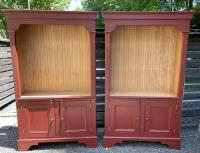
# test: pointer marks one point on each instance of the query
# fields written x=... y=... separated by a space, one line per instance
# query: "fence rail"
x=6 y=74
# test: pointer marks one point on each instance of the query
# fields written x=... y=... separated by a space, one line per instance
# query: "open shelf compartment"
x=145 y=61
x=54 y=60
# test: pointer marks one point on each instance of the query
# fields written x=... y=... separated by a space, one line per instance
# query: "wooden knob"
x=147 y=118
x=138 y=118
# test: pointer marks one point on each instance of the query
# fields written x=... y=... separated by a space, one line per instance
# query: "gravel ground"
x=190 y=144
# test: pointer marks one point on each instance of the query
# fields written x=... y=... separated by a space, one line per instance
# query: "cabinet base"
x=174 y=143
x=25 y=144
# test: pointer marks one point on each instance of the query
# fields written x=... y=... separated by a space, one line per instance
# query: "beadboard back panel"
x=145 y=60
x=54 y=59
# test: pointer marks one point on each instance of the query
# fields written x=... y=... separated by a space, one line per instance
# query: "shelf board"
x=53 y=94
x=144 y=94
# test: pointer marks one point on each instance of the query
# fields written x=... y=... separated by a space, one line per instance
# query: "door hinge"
x=109 y=129
x=174 y=131
x=109 y=105
x=90 y=106
x=23 y=132
x=176 y=106
x=21 y=107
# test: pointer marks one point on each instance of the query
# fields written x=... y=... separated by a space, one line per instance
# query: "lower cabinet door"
x=75 y=118
x=124 y=117
x=160 y=117
x=38 y=119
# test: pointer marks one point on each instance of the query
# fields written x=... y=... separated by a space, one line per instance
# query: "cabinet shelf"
x=53 y=94
x=144 y=94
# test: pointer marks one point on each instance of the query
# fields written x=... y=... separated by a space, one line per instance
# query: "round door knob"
x=137 y=118
x=147 y=118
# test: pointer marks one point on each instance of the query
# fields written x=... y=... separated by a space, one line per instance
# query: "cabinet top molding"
x=179 y=19
x=137 y=15
x=17 y=17
x=49 y=14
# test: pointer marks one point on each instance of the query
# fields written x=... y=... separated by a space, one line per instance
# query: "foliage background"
x=104 y=5
x=145 y=5
x=23 y=4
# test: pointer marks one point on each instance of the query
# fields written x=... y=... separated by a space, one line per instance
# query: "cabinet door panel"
x=124 y=117
x=75 y=118
x=38 y=119
x=159 y=117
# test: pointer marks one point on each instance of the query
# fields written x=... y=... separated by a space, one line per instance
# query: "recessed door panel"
x=38 y=119
x=159 y=117
x=75 y=118
x=124 y=117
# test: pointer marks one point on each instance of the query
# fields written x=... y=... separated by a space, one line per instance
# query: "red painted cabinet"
x=124 y=117
x=80 y=124
x=145 y=54
x=38 y=119
x=53 y=56
x=160 y=117
x=143 y=117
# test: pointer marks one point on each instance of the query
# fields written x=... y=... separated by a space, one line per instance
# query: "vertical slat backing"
x=54 y=59
x=145 y=60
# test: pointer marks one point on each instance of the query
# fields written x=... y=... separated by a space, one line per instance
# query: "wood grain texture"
x=54 y=58
x=145 y=60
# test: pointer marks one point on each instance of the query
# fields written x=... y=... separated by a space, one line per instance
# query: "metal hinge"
x=109 y=105
x=90 y=106
x=176 y=106
x=109 y=129
x=174 y=131
x=23 y=132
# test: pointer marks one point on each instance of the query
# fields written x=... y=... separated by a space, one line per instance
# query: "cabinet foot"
x=175 y=144
x=25 y=145
x=89 y=142
x=108 y=142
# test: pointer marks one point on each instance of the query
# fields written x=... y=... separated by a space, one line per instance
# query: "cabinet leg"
x=89 y=142
x=175 y=144
x=108 y=142
x=25 y=145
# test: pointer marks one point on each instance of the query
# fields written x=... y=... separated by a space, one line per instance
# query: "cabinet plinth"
x=144 y=75
x=53 y=55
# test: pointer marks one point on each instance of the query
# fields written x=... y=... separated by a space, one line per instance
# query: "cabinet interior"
x=145 y=61
x=54 y=60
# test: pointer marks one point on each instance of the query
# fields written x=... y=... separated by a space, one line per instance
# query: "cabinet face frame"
x=23 y=17
x=181 y=20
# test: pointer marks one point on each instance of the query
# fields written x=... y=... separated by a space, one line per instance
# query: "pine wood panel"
x=145 y=60
x=54 y=58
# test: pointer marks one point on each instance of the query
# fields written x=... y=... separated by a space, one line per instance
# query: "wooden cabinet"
x=124 y=117
x=53 y=56
x=144 y=75
x=38 y=119
x=160 y=117
x=80 y=124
